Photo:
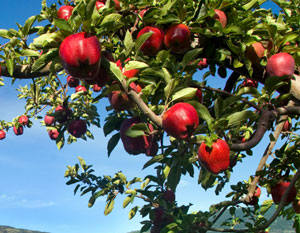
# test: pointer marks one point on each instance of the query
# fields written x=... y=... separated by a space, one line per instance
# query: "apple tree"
x=142 y=56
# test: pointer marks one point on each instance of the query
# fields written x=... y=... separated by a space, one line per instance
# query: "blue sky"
x=33 y=193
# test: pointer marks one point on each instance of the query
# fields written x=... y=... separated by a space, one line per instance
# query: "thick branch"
x=25 y=71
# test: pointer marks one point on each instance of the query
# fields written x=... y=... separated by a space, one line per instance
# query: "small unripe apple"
x=215 y=158
x=255 y=52
x=53 y=134
x=23 y=120
x=221 y=17
x=81 y=54
x=62 y=113
x=64 y=12
x=72 y=81
x=202 y=64
x=278 y=190
x=181 y=120
x=80 y=88
x=19 y=130
x=77 y=128
x=178 y=38
x=2 y=134
x=281 y=64
x=96 y=88
x=49 y=120
x=154 y=43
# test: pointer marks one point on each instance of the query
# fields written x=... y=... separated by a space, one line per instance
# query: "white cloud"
x=13 y=201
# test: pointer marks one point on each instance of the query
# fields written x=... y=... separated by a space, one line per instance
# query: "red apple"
x=256 y=195
x=221 y=17
x=281 y=64
x=169 y=196
x=296 y=206
x=250 y=83
x=72 y=81
x=178 y=38
x=99 y=4
x=81 y=54
x=19 y=130
x=286 y=126
x=49 y=120
x=64 y=12
x=53 y=134
x=77 y=128
x=255 y=52
x=2 y=134
x=279 y=189
x=181 y=120
x=154 y=43
x=62 y=113
x=215 y=158
x=23 y=120
x=202 y=64
x=120 y=101
x=199 y=95
x=96 y=88
x=80 y=88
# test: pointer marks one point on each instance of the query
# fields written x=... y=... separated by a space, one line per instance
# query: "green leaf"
x=237 y=118
x=297 y=223
x=137 y=130
x=126 y=201
x=28 y=24
x=10 y=64
x=112 y=21
x=135 y=65
x=112 y=143
x=63 y=25
x=128 y=42
x=5 y=34
x=153 y=160
x=109 y=207
x=190 y=56
x=82 y=163
x=89 y=9
x=30 y=53
x=132 y=212
x=44 y=59
x=186 y=93
x=174 y=177
x=203 y=112
x=249 y=5
x=266 y=205
x=116 y=71
x=140 y=41
x=206 y=178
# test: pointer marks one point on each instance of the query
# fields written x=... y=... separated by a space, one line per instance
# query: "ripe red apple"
x=2 y=134
x=250 y=83
x=49 y=120
x=64 y=12
x=215 y=158
x=96 y=88
x=62 y=113
x=281 y=64
x=154 y=43
x=296 y=206
x=53 y=134
x=77 y=128
x=99 y=4
x=80 y=88
x=18 y=131
x=120 y=101
x=181 y=120
x=169 y=196
x=202 y=64
x=81 y=54
x=221 y=16
x=279 y=189
x=23 y=120
x=255 y=52
x=72 y=81
x=199 y=95
x=256 y=195
x=178 y=38
x=286 y=126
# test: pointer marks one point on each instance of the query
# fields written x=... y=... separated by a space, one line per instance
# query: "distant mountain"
x=7 y=229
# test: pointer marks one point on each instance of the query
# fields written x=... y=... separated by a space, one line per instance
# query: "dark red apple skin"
x=80 y=88
x=169 y=196
x=215 y=159
x=96 y=88
x=18 y=131
x=255 y=52
x=53 y=134
x=286 y=126
x=77 y=128
x=64 y=12
x=154 y=43
x=81 y=54
x=120 y=101
x=178 y=38
x=62 y=114
x=250 y=83
x=221 y=17
x=199 y=95
x=2 y=134
x=72 y=81
x=49 y=120
x=278 y=190
x=99 y=4
x=23 y=120
x=181 y=120
x=281 y=64
x=202 y=64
